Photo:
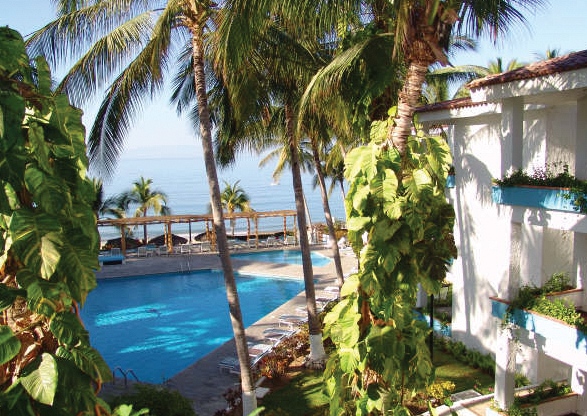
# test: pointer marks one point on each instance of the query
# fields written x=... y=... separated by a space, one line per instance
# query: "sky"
x=561 y=25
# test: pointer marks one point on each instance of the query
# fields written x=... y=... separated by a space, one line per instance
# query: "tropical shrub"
x=48 y=246
x=159 y=401
x=398 y=201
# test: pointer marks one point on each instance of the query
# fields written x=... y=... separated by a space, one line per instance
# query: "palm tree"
x=146 y=199
x=126 y=45
x=234 y=198
x=277 y=71
x=548 y=54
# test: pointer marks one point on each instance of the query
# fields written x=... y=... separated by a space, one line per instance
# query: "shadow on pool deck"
x=202 y=382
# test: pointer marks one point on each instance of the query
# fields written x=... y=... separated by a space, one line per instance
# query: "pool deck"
x=202 y=382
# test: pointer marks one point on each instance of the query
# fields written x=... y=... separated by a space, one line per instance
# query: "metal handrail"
x=124 y=374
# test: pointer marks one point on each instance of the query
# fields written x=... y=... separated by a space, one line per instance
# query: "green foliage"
x=520 y=380
x=460 y=352
x=525 y=401
x=48 y=245
x=535 y=299
x=557 y=176
x=558 y=282
x=381 y=354
x=159 y=401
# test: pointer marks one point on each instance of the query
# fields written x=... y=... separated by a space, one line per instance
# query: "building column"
x=578 y=385
x=512 y=132
x=581 y=140
x=505 y=345
x=505 y=368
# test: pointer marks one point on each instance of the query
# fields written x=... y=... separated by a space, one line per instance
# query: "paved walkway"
x=202 y=382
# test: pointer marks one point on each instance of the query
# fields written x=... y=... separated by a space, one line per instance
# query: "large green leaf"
x=41 y=383
x=9 y=344
x=39 y=146
x=36 y=240
x=88 y=360
x=361 y=161
x=8 y=295
x=45 y=297
x=78 y=263
x=48 y=191
x=68 y=329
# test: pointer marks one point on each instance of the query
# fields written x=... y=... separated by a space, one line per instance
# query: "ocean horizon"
x=179 y=172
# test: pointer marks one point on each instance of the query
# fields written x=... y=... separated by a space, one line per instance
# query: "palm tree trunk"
x=145 y=228
x=249 y=399
x=419 y=59
x=317 y=353
x=327 y=214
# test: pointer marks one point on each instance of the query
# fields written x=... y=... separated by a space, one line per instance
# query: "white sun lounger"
x=256 y=352
x=292 y=321
x=276 y=335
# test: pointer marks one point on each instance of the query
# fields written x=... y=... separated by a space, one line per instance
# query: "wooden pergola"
x=168 y=220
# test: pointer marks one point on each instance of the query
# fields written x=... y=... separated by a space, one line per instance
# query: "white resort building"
x=528 y=118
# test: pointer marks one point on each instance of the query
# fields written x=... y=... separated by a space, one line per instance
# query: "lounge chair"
x=292 y=321
x=161 y=251
x=142 y=251
x=289 y=240
x=276 y=335
x=256 y=352
x=270 y=241
x=325 y=299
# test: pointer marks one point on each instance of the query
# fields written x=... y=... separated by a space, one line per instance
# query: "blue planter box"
x=538 y=197
x=450 y=181
x=542 y=325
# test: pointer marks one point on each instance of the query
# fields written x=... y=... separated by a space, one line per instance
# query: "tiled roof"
x=448 y=105
x=572 y=61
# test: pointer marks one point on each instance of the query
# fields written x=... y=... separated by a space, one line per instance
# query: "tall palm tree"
x=126 y=45
x=147 y=199
x=276 y=73
x=234 y=198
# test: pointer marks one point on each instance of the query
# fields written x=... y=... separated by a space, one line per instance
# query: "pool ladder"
x=125 y=374
x=187 y=264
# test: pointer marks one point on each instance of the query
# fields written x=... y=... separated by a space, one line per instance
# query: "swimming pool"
x=158 y=325
x=282 y=256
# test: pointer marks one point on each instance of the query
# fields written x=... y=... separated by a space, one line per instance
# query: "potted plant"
x=548 y=312
x=548 y=188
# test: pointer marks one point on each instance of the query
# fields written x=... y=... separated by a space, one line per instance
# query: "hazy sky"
x=562 y=25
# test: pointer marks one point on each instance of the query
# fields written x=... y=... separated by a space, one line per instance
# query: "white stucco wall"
x=502 y=247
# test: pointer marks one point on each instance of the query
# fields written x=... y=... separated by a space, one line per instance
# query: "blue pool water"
x=158 y=325
x=282 y=256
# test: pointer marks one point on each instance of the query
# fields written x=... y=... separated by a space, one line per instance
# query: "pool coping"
x=202 y=382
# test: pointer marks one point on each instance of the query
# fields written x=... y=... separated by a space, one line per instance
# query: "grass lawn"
x=303 y=395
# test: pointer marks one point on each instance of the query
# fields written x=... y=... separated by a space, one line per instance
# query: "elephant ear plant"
x=48 y=246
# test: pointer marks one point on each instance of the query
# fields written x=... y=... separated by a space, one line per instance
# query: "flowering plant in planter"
x=551 y=176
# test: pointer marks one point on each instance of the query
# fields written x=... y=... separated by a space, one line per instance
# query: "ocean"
x=179 y=172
